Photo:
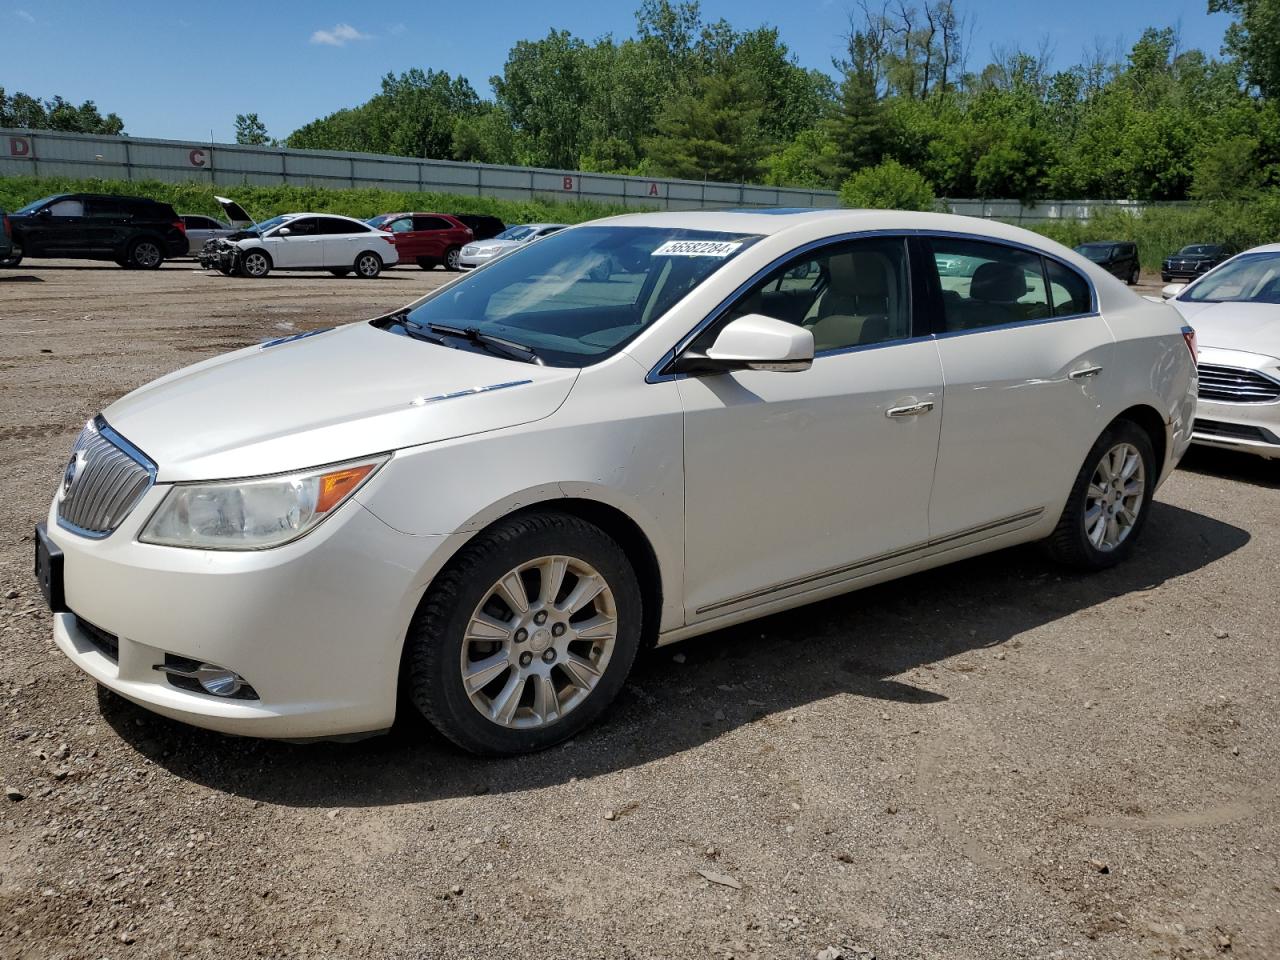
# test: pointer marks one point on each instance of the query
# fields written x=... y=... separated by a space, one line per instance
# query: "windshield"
x=1096 y=252
x=1200 y=250
x=265 y=225
x=1252 y=278
x=514 y=233
x=35 y=205
x=579 y=295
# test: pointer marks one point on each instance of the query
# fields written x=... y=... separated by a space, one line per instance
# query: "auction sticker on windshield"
x=697 y=248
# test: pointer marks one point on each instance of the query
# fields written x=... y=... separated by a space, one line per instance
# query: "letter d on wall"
x=19 y=147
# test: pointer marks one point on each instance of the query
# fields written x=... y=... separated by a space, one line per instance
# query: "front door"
x=299 y=248
x=795 y=481
x=1024 y=351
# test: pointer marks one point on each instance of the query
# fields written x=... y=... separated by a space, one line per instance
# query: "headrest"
x=998 y=282
x=859 y=275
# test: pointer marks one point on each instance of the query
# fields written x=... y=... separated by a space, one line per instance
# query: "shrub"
x=888 y=186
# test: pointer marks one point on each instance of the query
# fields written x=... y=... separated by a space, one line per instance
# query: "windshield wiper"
x=499 y=345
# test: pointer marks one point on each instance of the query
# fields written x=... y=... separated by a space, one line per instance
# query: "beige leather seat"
x=857 y=303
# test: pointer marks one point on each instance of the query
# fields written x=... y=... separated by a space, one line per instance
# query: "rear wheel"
x=368 y=265
x=527 y=637
x=1133 y=277
x=255 y=264
x=145 y=254
x=1109 y=500
x=451 y=258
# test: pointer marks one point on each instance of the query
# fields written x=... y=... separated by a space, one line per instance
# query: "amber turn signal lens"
x=335 y=486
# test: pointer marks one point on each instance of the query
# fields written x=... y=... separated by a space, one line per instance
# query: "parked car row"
x=1120 y=259
x=143 y=233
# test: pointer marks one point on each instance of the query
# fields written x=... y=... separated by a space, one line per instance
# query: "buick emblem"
x=73 y=469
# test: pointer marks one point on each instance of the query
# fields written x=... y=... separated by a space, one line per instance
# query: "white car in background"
x=1235 y=310
x=483 y=505
x=480 y=252
x=300 y=241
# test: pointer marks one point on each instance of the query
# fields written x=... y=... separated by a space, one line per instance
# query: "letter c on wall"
x=196 y=157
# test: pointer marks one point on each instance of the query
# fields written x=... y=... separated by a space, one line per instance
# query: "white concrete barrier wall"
x=227 y=165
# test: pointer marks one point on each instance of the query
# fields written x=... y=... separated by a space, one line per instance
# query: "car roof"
x=773 y=221
x=1264 y=248
x=408 y=213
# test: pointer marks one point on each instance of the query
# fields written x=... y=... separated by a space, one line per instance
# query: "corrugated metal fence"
x=53 y=153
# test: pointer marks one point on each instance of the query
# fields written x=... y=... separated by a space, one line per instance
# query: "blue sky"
x=180 y=70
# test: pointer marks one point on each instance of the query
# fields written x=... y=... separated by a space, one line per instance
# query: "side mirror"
x=44 y=212
x=753 y=342
x=1172 y=290
x=283 y=232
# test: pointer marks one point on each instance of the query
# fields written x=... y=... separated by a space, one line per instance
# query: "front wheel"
x=527 y=637
x=368 y=265
x=1109 y=501
x=255 y=264
x=453 y=258
x=1134 y=277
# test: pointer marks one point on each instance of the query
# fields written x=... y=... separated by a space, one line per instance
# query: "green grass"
x=264 y=202
x=1160 y=231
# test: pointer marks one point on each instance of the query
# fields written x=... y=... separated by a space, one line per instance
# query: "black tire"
x=255 y=264
x=13 y=259
x=1135 y=276
x=368 y=265
x=428 y=263
x=340 y=271
x=434 y=645
x=1070 y=544
x=145 y=253
x=452 y=256
x=1165 y=278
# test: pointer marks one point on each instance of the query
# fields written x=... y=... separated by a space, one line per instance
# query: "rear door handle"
x=1084 y=372
x=911 y=410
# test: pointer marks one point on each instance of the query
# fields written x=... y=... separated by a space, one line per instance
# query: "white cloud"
x=24 y=15
x=398 y=29
x=339 y=36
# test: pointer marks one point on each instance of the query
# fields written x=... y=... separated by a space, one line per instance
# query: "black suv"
x=483 y=226
x=1118 y=257
x=132 y=231
x=1193 y=260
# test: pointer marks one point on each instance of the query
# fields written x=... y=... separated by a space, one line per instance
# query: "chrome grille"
x=104 y=480
x=1236 y=385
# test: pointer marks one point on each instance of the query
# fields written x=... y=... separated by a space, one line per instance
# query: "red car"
x=432 y=239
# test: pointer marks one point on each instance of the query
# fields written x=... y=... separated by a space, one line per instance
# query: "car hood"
x=1250 y=327
x=325 y=397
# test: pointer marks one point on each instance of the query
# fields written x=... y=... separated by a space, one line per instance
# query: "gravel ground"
x=990 y=760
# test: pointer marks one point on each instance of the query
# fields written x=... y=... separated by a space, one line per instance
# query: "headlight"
x=254 y=514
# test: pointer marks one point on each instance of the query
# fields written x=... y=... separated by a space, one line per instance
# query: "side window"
x=104 y=207
x=431 y=223
x=332 y=226
x=67 y=208
x=403 y=225
x=987 y=284
x=302 y=227
x=1069 y=290
x=848 y=295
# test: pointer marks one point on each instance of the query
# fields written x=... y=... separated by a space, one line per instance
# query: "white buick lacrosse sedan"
x=630 y=432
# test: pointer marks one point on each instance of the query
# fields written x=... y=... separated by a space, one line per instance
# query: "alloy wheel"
x=368 y=265
x=255 y=265
x=539 y=642
x=1114 y=497
x=451 y=259
x=146 y=254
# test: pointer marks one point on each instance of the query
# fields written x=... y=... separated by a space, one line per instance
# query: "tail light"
x=181 y=226
x=8 y=230
x=1189 y=337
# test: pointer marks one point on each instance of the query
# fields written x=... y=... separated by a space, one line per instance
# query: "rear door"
x=1024 y=353
x=342 y=240
x=433 y=236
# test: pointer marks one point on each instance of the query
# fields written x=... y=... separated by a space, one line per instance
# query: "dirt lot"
x=990 y=760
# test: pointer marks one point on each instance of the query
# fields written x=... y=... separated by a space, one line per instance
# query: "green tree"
x=712 y=132
x=1254 y=40
x=888 y=186
x=27 y=112
x=251 y=130
x=542 y=88
x=810 y=160
x=1227 y=170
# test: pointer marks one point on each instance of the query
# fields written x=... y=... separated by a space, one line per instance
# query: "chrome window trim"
x=655 y=374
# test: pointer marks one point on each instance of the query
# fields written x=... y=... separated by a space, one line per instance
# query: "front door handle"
x=911 y=410
x=1084 y=372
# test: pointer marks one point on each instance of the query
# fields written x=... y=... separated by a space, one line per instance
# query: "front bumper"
x=1244 y=427
x=316 y=626
x=219 y=255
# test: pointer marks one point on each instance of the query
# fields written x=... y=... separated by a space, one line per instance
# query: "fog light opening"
x=209 y=677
